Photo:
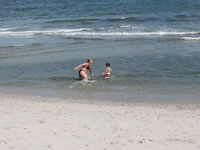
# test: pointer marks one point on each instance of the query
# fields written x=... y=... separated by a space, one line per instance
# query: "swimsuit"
x=87 y=67
x=108 y=75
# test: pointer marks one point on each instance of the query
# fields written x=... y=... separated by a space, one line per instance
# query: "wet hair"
x=89 y=59
x=107 y=64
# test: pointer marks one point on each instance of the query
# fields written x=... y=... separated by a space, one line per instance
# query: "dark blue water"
x=153 y=48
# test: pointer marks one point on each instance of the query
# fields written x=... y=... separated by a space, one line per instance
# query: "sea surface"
x=153 y=47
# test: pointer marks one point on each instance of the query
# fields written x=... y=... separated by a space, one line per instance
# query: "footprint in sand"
x=40 y=121
x=76 y=136
x=85 y=126
x=2 y=141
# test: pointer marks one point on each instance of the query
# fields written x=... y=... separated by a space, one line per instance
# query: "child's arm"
x=105 y=71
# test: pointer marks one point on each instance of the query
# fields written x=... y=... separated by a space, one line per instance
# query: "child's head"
x=107 y=64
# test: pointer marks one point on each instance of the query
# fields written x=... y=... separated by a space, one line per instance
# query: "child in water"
x=108 y=71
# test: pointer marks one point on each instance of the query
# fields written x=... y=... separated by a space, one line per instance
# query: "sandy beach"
x=35 y=123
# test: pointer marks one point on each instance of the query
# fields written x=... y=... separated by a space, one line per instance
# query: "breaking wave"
x=190 y=38
x=88 y=32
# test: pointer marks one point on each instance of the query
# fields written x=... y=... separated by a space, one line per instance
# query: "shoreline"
x=102 y=97
x=33 y=122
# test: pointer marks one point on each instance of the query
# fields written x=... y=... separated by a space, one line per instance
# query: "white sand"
x=34 y=123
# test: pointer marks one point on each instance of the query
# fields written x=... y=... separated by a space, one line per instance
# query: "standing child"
x=108 y=71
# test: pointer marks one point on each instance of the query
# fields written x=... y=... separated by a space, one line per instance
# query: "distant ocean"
x=153 y=47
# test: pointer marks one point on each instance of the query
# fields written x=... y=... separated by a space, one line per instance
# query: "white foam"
x=190 y=38
x=89 y=32
x=5 y=29
x=107 y=34
x=20 y=45
x=125 y=26
x=122 y=18
x=81 y=83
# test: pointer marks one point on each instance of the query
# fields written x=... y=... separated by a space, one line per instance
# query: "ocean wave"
x=12 y=46
x=181 y=16
x=132 y=27
x=190 y=38
x=132 y=19
x=71 y=20
x=44 y=32
x=187 y=16
x=6 y=29
x=180 y=19
x=122 y=19
x=90 y=32
x=21 y=45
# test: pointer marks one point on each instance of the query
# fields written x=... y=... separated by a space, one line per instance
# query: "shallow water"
x=153 y=49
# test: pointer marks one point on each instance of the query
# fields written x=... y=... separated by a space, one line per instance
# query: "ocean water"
x=153 y=47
